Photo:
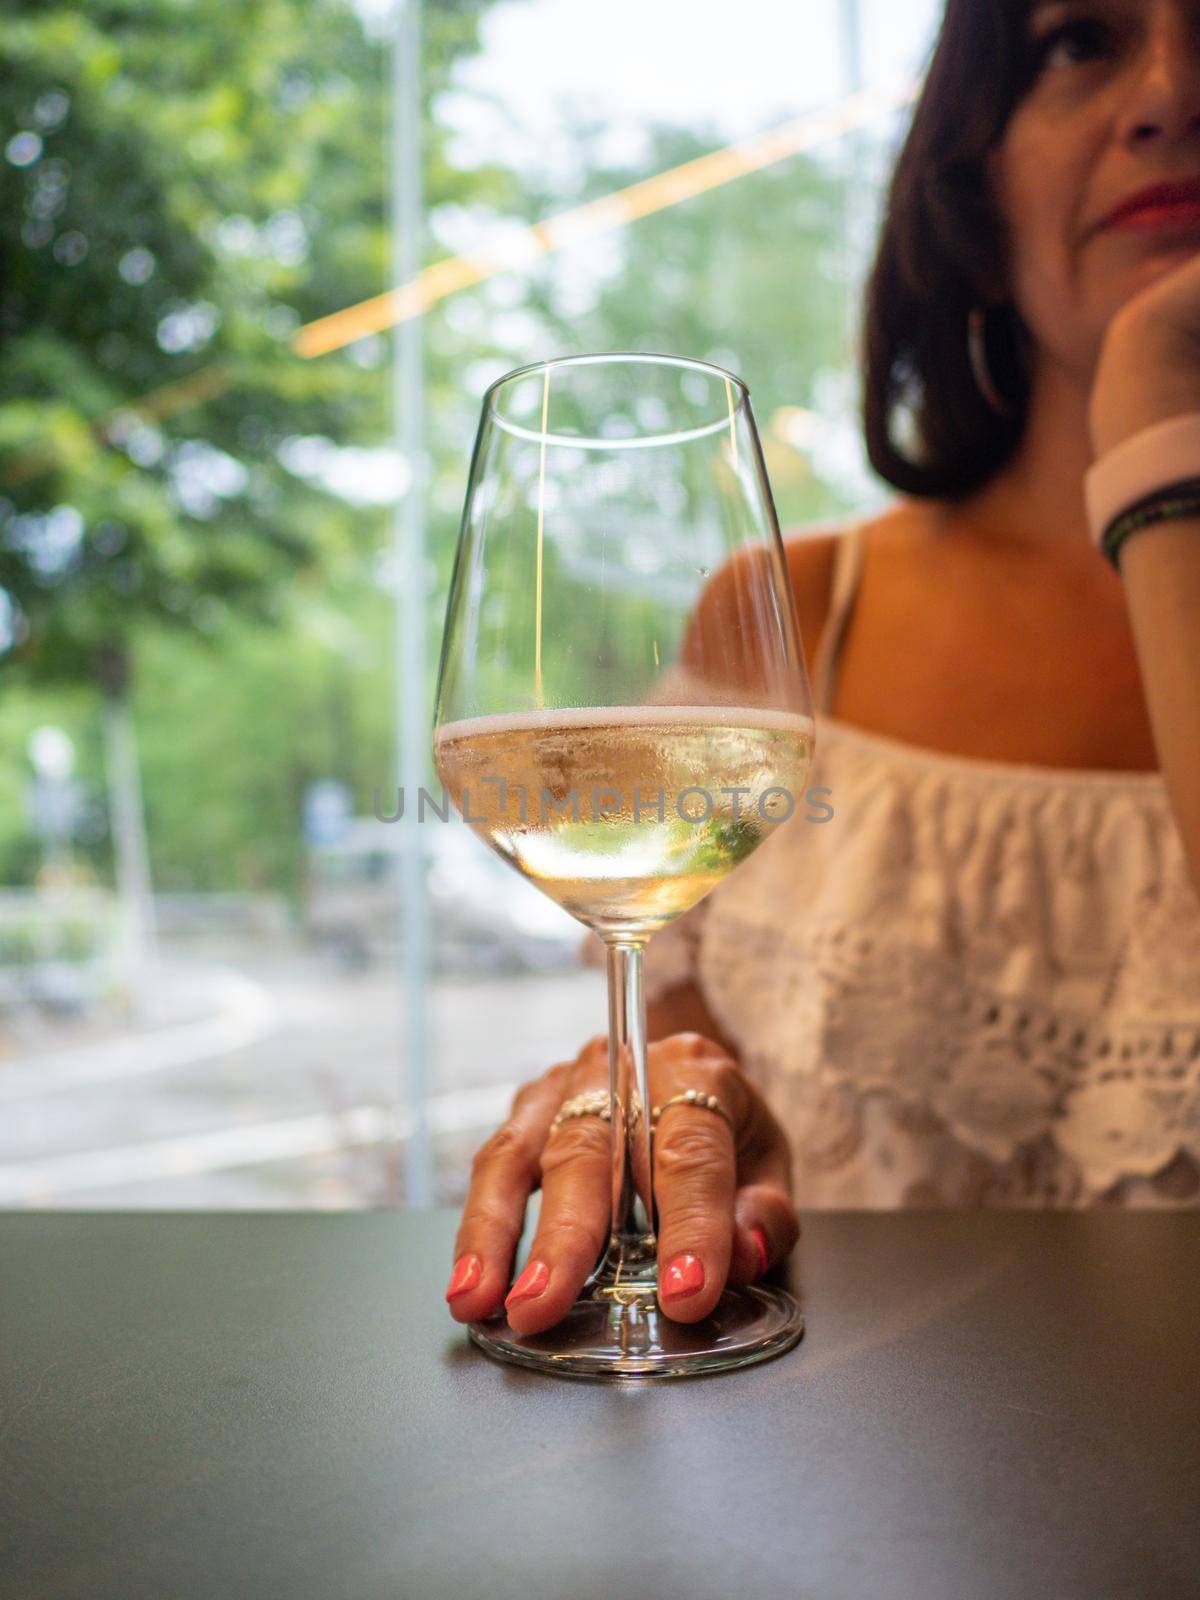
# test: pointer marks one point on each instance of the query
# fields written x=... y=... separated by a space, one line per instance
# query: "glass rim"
x=596 y=358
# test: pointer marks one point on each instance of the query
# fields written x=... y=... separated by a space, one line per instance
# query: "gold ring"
x=693 y=1097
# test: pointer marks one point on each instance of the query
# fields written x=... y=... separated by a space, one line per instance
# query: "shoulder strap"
x=847 y=565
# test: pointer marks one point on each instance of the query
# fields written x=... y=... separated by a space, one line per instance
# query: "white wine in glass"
x=601 y=809
x=623 y=715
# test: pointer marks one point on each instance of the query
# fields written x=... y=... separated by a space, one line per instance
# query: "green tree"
x=178 y=195
x=183 y=184
x=750 y=275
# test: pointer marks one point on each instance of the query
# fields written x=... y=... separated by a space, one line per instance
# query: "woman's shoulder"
x=811 y=552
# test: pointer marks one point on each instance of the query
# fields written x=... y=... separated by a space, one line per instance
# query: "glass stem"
x=630 y=1259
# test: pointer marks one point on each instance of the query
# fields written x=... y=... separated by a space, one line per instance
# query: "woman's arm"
x=1148 y=371
x=682 y=1009
x=1160 y=567
x=810 y=556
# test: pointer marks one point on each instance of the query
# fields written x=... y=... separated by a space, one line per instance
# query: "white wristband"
x=1154 y=458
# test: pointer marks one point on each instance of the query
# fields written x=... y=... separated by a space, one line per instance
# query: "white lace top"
x=979 y=983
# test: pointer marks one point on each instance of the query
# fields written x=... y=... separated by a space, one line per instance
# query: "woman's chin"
x=1153 y=263
x=1164 y=254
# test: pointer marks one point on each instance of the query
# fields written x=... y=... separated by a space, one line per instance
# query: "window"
x=231 y=471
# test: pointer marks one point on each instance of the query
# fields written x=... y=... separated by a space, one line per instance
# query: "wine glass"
x=623 y=715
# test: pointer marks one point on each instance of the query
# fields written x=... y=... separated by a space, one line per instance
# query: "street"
x=283 y=1087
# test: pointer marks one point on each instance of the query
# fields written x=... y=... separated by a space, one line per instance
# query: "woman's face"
x=1112 y=105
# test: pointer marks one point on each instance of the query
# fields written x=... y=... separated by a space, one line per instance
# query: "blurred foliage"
x=182 y=184
x=752 y=276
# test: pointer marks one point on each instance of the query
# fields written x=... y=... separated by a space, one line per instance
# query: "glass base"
x=622 y=1333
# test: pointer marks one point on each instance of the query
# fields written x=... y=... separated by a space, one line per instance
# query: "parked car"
x=482 y=916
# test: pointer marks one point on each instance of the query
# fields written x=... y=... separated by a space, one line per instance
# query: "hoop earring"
x=978 y=358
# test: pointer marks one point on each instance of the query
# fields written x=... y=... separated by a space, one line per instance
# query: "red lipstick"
x=1159 y=205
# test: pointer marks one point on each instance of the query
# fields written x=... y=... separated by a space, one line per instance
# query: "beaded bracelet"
x=1172 y=500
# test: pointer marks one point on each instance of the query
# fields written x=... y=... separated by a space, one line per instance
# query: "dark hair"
x=942 y=250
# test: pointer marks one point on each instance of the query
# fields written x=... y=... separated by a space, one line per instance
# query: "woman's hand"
x=725 y=1210
x=1149 y=365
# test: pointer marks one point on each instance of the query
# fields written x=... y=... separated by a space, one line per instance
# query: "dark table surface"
x=224 y=1405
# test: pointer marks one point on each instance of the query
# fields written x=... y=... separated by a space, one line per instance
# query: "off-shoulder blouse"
x=978 y=983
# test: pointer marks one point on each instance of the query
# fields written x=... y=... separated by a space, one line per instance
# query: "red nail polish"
x=683 y=1276
x=760 y=1244
x=466 y=1275
x=531 y=1283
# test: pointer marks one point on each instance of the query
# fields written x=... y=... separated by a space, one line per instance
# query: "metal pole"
x=857 y=204
x=131 y=853
x=412 y=718
x=853 y=195
x=851 y=28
